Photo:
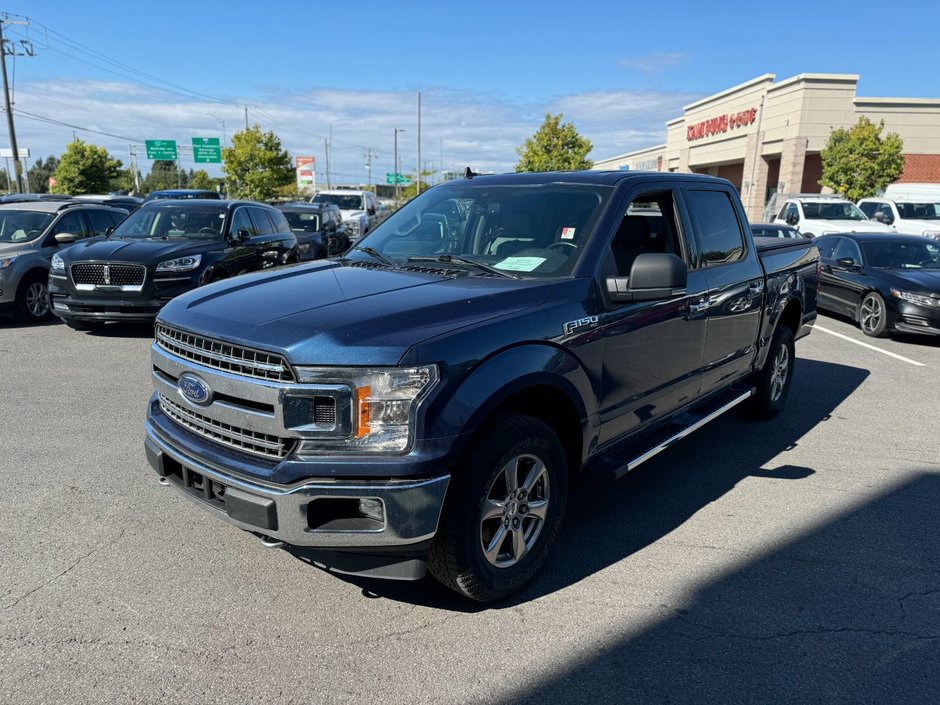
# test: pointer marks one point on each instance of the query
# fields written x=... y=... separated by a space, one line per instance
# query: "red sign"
x=52 y=181
x=722 y=123
x=304 y=161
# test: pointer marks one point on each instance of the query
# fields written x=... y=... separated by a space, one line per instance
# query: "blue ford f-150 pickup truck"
x=422 y=402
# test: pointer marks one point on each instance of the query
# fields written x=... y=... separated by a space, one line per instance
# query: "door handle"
x=700 y=306
x=756 y=288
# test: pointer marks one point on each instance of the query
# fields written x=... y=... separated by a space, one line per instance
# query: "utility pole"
x=369 y=155
x=326 y=149
x=396 y=174
x=17 y=166
x=418 y=164
x=246 y=117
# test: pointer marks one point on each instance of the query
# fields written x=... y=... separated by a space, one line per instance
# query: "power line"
x=53 y=121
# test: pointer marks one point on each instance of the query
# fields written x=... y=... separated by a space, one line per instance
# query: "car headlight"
x=382 y=406
x=934 y=234
x=920 y=299
x=180 y=264
x=7 y=261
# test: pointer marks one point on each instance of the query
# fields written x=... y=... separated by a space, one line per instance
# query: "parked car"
x=31 y=232
x=319 y=229
x=360 y=209
x=776 y=230
x=161 y=250
x=821 y=215
x=884 y=283
x=183 y=193
x=128 y=203
x=423 y=400
x=914 y=214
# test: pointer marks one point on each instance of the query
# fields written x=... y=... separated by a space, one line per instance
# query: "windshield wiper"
x=449 y=258
x=378 y=255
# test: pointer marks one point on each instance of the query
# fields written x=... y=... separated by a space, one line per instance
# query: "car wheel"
x=32 y=300
x=872 y=315
x=504 y=507
x=773 y=381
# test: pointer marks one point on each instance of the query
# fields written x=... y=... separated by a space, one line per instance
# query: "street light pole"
x=395 y=175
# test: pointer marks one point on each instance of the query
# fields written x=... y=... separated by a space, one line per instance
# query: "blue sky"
x=487 y=71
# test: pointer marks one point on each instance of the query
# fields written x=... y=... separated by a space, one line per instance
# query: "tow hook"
x=268 y=542
x=163 y=481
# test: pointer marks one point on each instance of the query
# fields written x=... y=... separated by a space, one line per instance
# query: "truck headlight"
x=180 y=264
x=934 y=234
x=383 y=406
x=919 y=299
x=352 y=226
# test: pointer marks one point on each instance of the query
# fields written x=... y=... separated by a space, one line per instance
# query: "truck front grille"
x=223 y=356
x=243 y=439
x=108 y=274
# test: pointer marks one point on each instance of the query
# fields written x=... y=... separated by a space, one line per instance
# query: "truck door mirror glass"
x=793 y=219
x=243 y=235
x=847 y=263
x=65 y=238
x=653 y=275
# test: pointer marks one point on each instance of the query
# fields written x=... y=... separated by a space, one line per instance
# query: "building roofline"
x=728 y=91
x=816 y=77
x=932 y=102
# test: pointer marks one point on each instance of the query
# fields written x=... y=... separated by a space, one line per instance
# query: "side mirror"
x=887 y=218
x=65 y=238
x=371 y=210
x=792 y=219
x=847 y=263
x=652 y=276
x=242 y=235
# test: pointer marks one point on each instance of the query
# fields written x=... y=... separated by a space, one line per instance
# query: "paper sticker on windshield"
x=567 y=233
x=520 y=264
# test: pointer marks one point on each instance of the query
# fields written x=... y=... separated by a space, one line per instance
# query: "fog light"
x=372 y=509
x=59 y=306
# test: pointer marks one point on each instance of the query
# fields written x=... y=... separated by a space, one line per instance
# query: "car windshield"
x=919 y=211
x=181 y=221
x=520 y=231
x=902 y=255
x=23 y=226
x=833 y=211
x=350 y=202
x=303 y=222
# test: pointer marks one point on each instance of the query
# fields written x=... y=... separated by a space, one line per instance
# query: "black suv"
x=163 y=249
x=319 y=229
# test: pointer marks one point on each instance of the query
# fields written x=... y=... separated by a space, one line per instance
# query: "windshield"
x=303 y=222
x=183 y=221
x=833 y=211
x=23 y=226
x=919 y=211
x=351 y=202
x=524 y=231
x=902 y=255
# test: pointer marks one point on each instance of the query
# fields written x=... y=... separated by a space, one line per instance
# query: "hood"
x=917 y=227
x=139 y=251
x=819 y=226
x=12 y=249
x=351 y=215
x=335 y=314
x=914 y=280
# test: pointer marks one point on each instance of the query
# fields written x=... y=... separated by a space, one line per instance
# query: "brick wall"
x=921 y=167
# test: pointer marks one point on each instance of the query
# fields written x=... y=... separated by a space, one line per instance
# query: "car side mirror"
x=847 y=263
x=242 y=235
x=887 y=218
x=653 y=276
x=65 y=238
x=371 y=210
x=792 y=219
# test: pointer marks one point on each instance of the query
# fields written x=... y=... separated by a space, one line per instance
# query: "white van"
x=909 y=209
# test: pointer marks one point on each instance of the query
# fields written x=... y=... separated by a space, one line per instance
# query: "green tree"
x=163 y=175
x=39 y=174
x=85 y=168
x=858 y=162
x=555 y=147
x=201 y=179
x=256 y=166
x=411 y=190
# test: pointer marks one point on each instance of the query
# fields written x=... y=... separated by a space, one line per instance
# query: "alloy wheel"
x=781 y=368
x=872 y=312
x=37 y=299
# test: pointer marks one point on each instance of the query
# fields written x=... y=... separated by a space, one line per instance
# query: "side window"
x=71 y=223
x=100 y=221
x=716 y=227
x=826 y=245
x=648 y=225
x=868 y=208
x=847 y=249
x=241 y=221
x=783 y=211
x=116 y=217
x=280 y=222
x=263 y=224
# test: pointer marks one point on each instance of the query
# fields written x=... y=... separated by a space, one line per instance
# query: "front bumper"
x=915 y=318
x=109 y=304
x=310 y=513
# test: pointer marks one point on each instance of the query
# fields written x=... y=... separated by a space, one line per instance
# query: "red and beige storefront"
x=765 y=137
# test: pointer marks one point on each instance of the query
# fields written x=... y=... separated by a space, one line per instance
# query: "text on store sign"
x=722 y=123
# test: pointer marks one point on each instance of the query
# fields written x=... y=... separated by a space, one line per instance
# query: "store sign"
x=305 y=171
x=720 y=124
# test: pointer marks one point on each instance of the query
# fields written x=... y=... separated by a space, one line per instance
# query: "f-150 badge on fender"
x=572 y=326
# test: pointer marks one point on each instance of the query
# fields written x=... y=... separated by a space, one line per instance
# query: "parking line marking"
x=871 y=347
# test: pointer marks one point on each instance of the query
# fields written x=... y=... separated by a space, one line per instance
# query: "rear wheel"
x=504 y=507
x=872 y=316
x=773 y=381
x=32 y=300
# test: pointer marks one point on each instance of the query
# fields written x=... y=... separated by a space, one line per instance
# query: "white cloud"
x=653 y=63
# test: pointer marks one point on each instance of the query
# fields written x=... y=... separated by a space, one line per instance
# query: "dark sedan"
x=161 y=250
x=319 y=229
x=884 y=282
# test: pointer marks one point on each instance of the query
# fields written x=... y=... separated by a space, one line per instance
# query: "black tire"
x=511 y=444
x=86 y=325
x=872 y=315
x=773 y=380
x=32 y=299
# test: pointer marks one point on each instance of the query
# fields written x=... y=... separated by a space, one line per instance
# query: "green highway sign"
x=206 y=150
x=161 y=149
x=396 y=178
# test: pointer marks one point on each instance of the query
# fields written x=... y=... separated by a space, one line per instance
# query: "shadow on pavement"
x=607 y=521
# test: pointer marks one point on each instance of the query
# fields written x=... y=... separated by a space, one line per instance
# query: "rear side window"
x=241 y=221
x=826 y=245
x=719 y=236
x=868 y=208
x=280 y=222
x=263 y=223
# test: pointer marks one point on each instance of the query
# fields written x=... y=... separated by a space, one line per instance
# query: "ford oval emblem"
x=194 y=390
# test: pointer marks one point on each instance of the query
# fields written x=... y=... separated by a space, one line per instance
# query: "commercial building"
x=765 y=136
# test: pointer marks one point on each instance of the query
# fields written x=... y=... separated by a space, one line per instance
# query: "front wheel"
x=773 y=381
x=32 y=300
x=504 y=507
x=872 y=315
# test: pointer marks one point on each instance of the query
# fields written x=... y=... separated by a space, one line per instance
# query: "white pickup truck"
x=909 y=209
x=360 y=209
x=816 y=214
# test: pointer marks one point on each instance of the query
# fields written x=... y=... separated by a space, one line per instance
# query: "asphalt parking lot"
x=786 y=561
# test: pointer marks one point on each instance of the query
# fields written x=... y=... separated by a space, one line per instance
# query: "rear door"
x=844 y=283
x=735 y=281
